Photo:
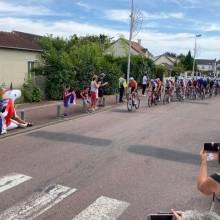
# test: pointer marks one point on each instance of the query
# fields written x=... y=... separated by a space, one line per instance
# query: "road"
x=115 y=164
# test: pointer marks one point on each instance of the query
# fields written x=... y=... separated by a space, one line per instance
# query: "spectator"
x=195 y=215
x=122 y=87
x=2 y=118
x=94 y=89
x=72 y=98
x=85 y=97
x=12 y=120
x=101 y=88
x=208 y=184
x=66 y=97
x=144 y=84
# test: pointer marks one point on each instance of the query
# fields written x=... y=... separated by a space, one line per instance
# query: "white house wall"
x=163 y=60
x=206 y=68
x=14 y=66
x=120 y=49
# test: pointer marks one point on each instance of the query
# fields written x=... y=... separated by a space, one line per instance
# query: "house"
x=206 y=66
x=218 y=67
x=166 y=60
x=19 y=53
x=120 y=48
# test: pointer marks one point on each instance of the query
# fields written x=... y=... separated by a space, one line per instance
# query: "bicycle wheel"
x=165 y=99
x=193 y=95
x=129 y=105
x=137 y=103
x=150 y=101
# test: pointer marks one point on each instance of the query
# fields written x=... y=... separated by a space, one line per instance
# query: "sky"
x=162 y=25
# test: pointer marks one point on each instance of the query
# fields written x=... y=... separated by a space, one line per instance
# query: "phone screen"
x=212 y=156
x=211 y=147
x=161 y=217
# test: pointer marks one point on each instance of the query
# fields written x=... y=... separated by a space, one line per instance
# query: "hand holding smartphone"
x=212 y=150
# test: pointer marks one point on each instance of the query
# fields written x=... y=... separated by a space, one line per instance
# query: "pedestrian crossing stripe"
x=37 y=204
x=103 y=208
x=11 y=180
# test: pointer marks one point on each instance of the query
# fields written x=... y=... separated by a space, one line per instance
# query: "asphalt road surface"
x=110 y=165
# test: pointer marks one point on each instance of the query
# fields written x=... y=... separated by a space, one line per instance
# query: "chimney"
x=139 y=41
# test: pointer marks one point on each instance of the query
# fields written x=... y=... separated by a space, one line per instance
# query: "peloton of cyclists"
x=188 y=86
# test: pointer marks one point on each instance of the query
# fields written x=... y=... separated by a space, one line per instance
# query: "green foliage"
x=161 y=71
x=31 y=92
x=188 y=62
x=139 y=66
x=74 y=61
x=178 y=69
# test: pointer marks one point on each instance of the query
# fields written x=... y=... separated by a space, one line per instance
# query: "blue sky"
x=168 y=25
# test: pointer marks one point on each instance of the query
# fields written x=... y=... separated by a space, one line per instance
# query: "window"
x=31 y=66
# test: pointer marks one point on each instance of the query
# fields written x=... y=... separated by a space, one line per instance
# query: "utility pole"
x=130 y=38
x=194 y=58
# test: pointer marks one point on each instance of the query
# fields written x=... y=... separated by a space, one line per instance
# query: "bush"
x=74 y=61
x=31 y=92
x=161 y=71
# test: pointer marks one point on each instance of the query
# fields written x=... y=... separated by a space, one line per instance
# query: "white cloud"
x=157 y=42
x=211 y=27
x=118 y=15
x=84 y=5
x=13 y=9
x=124 y=15
x=162 y=15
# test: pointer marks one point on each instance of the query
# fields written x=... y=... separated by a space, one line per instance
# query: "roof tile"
x=19 y=40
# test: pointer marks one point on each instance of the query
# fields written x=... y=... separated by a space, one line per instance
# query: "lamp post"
x=194 y=59
x=130 y=38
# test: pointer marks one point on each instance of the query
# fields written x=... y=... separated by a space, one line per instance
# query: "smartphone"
x=211 y=147
x=167 y=216
x=211 y=156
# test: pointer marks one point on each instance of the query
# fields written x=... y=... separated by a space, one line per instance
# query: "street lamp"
x=130 y=38
x=194 y=60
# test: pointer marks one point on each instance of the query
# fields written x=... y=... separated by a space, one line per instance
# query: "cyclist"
x=189 y=87
x=154 y=86
x=159 y=88
x=168 y=88
x=183 y=86
x=133 y=85
x=205 y=83
x=200 y=82
x=195 y=82
x=173 y=85
x=211 y=84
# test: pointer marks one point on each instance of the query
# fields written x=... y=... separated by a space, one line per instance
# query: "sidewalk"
x=45 y=112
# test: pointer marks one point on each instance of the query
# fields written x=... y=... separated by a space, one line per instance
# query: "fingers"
x=177 y=214
x=202 y=150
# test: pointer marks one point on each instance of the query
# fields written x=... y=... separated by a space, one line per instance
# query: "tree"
x=177 y=70
x=73 y=62
x=161 y=71
x=188 y=62
x=170 y=54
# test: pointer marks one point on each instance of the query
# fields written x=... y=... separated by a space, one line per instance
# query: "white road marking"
x=11 y=180
x=37 y=204
x=103 y=208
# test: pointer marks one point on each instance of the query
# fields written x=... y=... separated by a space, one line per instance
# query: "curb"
x=57 y=121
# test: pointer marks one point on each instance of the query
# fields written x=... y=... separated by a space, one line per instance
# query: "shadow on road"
x=120 y=110
x=165 y=154
x=196 y=102
x=73 y=138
